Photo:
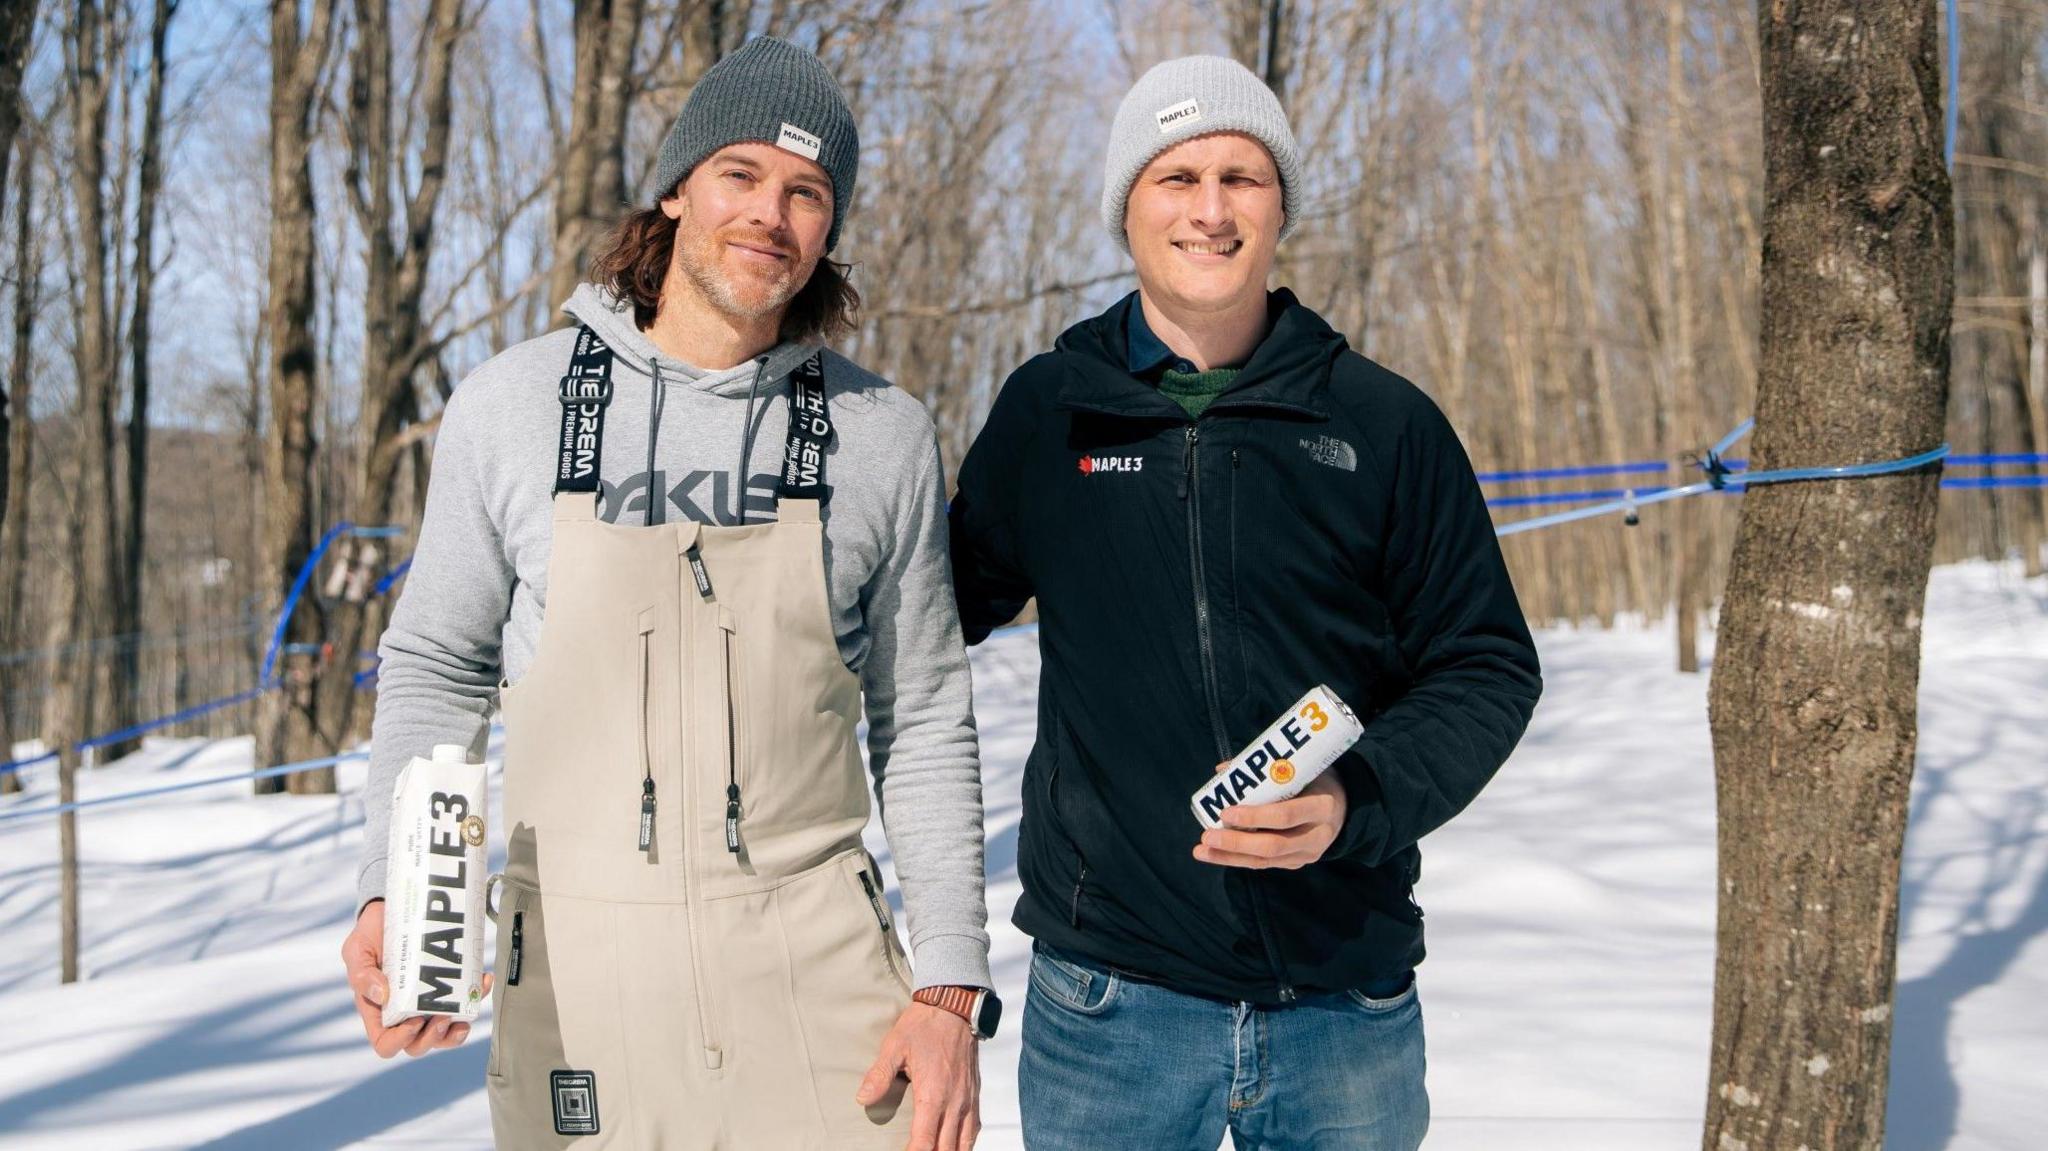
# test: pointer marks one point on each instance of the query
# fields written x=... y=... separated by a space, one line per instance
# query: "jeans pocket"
x=1392 y=1003
x=1082 y=990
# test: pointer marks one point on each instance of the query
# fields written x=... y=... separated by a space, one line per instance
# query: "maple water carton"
x=434 y=888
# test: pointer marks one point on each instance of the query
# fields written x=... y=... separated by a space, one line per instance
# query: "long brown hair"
x=634 y=266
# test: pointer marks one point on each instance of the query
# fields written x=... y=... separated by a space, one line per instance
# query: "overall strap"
x=585 y=392
x=810 y=433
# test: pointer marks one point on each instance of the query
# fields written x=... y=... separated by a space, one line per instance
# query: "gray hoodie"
x=471 y=607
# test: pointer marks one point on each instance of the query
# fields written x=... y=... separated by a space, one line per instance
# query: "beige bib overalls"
x=693 y=949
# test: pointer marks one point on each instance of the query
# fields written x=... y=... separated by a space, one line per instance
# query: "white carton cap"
x=450 y=753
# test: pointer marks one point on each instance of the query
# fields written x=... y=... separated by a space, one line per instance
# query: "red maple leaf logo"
x=1087 y=465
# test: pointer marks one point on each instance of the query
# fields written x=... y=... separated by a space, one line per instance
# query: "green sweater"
x=1193 y=391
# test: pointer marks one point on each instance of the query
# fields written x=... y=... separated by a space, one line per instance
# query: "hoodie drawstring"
x=654 y=404
x=747 y=433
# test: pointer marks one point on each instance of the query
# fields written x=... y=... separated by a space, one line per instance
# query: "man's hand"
x=937 y=1052
x=1291 y=833
x=362 y=954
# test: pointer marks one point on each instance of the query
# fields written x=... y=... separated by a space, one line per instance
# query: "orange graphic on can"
x=1283 y=771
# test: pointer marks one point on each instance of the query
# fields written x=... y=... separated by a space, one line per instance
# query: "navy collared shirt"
x=1147 y=354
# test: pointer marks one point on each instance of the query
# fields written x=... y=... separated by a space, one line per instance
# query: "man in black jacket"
x=1218 y=505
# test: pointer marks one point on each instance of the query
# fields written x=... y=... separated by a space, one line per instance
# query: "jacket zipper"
x=518 y=949
x=646 y=841
x=732 y=744
x=874 y=899
x=713 y=1054
x=1191 y=492
x=874 y=890
x=1052 y=789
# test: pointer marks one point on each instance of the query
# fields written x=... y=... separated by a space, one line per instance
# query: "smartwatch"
x=979 y=1006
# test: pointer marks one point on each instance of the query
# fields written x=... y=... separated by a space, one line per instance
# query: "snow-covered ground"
x=1571 y=927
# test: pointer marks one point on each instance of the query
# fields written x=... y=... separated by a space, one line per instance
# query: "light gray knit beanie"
x=1195 y=96
x=773 y=92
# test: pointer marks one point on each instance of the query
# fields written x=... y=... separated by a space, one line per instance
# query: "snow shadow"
x=241 y=1032
x=1924 y=1101
x=407 y=1090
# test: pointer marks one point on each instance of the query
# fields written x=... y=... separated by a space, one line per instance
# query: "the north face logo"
x=1331 y=452
x=1092 y=464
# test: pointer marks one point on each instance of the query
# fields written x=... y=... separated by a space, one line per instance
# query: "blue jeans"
x=1110 y=1062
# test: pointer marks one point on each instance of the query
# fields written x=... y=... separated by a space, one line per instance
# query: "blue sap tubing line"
x=291 y=599
x=211 y=781
x=1964 y=482
x=138 y=729
x=1724 y=482
x=277 y=644
x=1994 y=481
x=1636 y=467
x=391 y=577
x=1999 y=460
x=305 y=576
x=1572 y=497
x=262 y=773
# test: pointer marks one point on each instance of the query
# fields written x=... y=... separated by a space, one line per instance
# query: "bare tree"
x=128 y=599
x=2000 y=128
x=89 y=56
x=287 y=728
x=1813 y=699
x=1690 y=596
x=17 y=29
x=395 y=345
x=19 y=441
x=591 y=188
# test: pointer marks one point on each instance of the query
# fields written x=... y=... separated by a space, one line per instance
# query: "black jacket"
x=1318 y=523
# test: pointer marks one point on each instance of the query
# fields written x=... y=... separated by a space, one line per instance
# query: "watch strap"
x=959 y=1000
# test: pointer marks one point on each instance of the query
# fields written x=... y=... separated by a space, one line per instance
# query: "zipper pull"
x=881 y=916
x=647 y=813
x=518 y=949
x=1187 y=461
x=1233 y=459
x=732 y=818
x=696 y=559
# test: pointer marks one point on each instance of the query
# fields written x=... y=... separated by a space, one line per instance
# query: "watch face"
x=988 y=1016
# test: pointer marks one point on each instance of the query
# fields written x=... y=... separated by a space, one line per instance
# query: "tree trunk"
x=394 y=343
x=17 y=28
x=1813 y=702
x=2037 y=363
x=92 y=525
x=19 y=443
x=1687 y=553
x=128 y=620
x=2035 y=392
x=67 y=855
x=592 y=188
x=287 y=725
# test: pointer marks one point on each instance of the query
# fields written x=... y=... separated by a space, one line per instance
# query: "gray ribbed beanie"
x=1195 y=96
x=773 y=92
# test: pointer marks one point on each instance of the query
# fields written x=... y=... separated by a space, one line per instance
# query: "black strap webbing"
x=810 y=432
x=586 y=390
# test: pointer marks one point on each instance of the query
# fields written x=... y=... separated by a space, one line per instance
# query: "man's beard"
x=700 y=254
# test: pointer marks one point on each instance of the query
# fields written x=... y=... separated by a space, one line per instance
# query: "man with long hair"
x=680 y=546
